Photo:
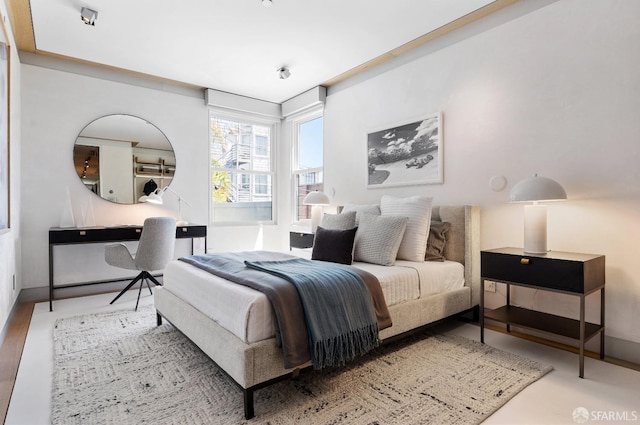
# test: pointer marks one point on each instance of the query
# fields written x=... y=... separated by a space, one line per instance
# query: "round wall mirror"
x=121 y=158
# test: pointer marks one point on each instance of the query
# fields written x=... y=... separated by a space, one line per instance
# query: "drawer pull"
x=185 y=230
x=83 y=232
x=524 y=261
x=138 y=230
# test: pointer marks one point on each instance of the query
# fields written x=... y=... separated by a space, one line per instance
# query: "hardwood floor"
x=11 y=352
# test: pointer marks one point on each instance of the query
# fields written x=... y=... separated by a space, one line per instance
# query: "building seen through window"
x=241 y=171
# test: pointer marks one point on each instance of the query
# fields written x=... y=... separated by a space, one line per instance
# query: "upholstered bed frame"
x=254 y=366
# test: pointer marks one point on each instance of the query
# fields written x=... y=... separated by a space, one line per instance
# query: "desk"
x=565 y=272
x=76 y=236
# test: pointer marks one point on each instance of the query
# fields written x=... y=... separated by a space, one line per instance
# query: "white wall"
x=56 y=107
x=553 y=91
x=10 y=240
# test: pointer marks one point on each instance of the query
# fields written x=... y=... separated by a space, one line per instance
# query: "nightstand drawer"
x=556 y=270
x=192 y=231
x=300 y=240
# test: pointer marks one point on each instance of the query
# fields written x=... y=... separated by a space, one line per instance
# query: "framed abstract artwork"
x=4 y=130
x=406 y=154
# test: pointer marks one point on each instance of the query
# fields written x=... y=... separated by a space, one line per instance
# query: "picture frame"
x=406 y=154
x=5 y=207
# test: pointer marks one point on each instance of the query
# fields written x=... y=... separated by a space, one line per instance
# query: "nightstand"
x=300 y=240
x=565 y=272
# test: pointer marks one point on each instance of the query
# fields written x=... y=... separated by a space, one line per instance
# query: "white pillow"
x=418 y=210
x=344 y=221
x=378 y=239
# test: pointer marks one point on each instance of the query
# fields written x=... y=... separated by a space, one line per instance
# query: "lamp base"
x=316 y=216
x=535 y=229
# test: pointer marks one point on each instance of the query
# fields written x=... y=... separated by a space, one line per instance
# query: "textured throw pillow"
x=334 y=245
x=342 y=221
x=454 y=250
x=373 y=209
x=378 y=239
x=437 y=240
x=418 y=210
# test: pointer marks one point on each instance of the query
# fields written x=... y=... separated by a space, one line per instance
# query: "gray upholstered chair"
x=155 y=250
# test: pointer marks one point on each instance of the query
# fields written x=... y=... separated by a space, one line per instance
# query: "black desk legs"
x=50 y=277
x=582 y=336
x=602 y=323
x=481 y=310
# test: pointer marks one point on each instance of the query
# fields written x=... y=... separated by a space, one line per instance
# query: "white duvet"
x=248 y=314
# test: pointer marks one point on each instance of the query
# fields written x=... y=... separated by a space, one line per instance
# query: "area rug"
x=120 y=368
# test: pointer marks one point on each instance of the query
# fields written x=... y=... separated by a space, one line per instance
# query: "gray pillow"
x=344 y=221
x=373 y=209
x=378 y=238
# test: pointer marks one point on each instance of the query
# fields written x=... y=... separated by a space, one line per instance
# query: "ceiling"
x=237 y=46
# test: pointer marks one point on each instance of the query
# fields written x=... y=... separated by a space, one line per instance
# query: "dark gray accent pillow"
x=335 y=246
x=437 y=240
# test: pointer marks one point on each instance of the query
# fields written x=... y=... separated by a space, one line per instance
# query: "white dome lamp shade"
x=316 y=199
x=536 y=189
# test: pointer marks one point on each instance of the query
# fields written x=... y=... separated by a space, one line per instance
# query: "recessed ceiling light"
x=284 y=73
x=267 y=3
x=88 y=16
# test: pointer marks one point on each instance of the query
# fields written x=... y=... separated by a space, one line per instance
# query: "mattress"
x=248 y=314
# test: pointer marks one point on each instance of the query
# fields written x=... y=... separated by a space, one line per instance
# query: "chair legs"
x=144 y=277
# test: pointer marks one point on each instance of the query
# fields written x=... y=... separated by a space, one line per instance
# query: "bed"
x=235 y=326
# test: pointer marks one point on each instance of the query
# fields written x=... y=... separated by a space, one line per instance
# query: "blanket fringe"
x=339 y=350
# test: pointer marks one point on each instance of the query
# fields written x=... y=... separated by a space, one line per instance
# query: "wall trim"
x=307 y=100
x=236 y=102
x=109 y=74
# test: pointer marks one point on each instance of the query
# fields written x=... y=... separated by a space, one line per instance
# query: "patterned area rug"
x=119 y=368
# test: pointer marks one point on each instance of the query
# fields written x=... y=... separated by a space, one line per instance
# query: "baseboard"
x=41 y=294
x=622 y=352
x=617 y=351
x=33 y=295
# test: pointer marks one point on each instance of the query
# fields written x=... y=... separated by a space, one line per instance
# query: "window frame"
x=295 y=122
x=251 y=119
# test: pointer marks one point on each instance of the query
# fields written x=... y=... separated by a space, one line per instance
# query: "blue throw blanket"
x=338 y=308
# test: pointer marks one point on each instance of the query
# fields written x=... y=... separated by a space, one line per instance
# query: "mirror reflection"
x=122 y=157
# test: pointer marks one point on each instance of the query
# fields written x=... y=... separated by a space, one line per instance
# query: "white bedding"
x=248 y=314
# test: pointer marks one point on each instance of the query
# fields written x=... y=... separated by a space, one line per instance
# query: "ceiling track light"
x=284 y=73
x=267 y=3
x=88 y=16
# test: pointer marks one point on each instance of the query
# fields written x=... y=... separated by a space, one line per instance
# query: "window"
x=241 y=170
x=308 y=163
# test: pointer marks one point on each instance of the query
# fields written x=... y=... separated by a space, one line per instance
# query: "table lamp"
x=317 y=200
x=156 y=198
x=536 y=189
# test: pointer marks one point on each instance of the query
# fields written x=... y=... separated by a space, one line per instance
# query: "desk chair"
x=155 y=250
